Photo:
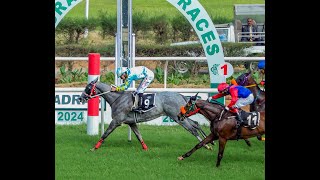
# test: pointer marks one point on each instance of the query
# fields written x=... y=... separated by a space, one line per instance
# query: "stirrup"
x=238 y=124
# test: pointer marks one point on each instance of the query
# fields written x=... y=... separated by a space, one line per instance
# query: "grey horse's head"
x=90 y=90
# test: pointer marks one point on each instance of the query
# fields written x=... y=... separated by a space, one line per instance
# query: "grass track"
x=120 y=159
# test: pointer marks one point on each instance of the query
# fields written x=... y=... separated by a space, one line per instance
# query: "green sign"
x=69 y=116
x=208 y=35
x=167 y=119
x=62 y=7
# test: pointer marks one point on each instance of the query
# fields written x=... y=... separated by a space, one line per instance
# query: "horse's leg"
x=196 y=125
x=186 y=124
x=113 y=125
x=247 y=142
x=260 y=138
x=199 y=145
x=222 y=144
x=134 y=128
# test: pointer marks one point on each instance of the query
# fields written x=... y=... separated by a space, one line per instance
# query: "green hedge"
x=73 y=28
x=230 y=50
x=164 y=27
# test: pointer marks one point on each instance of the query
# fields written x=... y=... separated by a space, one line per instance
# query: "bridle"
x=93 y=92
x=192 y=109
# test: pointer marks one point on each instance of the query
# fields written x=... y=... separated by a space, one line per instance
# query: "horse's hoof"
x=145 y=147
x=208 y=147
x=180 y=158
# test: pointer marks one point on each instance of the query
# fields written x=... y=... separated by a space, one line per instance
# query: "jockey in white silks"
x=132 y=74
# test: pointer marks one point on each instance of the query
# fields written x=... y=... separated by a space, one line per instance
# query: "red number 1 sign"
x=225 y=69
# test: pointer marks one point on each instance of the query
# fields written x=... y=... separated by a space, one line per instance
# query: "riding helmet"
x=222 y=86
x=121 y=70
x=261 y=64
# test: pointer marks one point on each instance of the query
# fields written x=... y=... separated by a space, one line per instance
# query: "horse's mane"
x=218 y=103
x=215 y=102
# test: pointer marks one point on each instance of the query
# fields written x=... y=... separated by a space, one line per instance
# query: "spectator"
x=250 y=28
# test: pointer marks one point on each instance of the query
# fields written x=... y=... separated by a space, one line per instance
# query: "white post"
x=102 y=101
x=86 y=32
x=130 y=49
x=119 y=47
x=116 y=61
x=133 y=53
x=165 y=74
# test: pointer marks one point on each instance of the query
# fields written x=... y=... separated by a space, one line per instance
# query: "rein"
x=99 y=94
x=96 y=95
x=202 y=107
x=251 y=85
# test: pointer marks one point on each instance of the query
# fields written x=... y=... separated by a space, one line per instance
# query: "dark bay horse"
x=222 y=124
x=247 y=80
x=167 y=104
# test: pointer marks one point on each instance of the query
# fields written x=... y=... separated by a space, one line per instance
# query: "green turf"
x=119 y=159
x=222 y=8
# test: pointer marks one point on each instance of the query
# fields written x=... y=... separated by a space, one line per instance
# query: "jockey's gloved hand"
x=209 y=98
x=134 y=93
x=227 y=108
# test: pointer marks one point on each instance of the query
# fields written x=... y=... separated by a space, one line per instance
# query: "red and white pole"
x=93 y=104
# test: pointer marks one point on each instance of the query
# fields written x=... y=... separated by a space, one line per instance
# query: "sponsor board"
x=69 y=111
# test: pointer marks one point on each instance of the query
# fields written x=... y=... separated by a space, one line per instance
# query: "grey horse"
x=167 y=103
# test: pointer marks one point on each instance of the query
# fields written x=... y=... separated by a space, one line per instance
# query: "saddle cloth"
x=148 y=102
x=250 y=119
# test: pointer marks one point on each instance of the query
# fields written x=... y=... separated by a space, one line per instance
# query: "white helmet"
x=121 y=70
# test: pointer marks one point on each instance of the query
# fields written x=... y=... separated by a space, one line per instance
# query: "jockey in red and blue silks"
x=261 y=67
x=240 y=96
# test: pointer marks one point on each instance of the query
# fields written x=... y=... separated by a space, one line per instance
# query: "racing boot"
x=239 y=123
x=137 y=102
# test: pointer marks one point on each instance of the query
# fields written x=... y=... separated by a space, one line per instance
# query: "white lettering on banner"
x=207 y=33
x=69 y=110
x=62 y=7
x=69 y=100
